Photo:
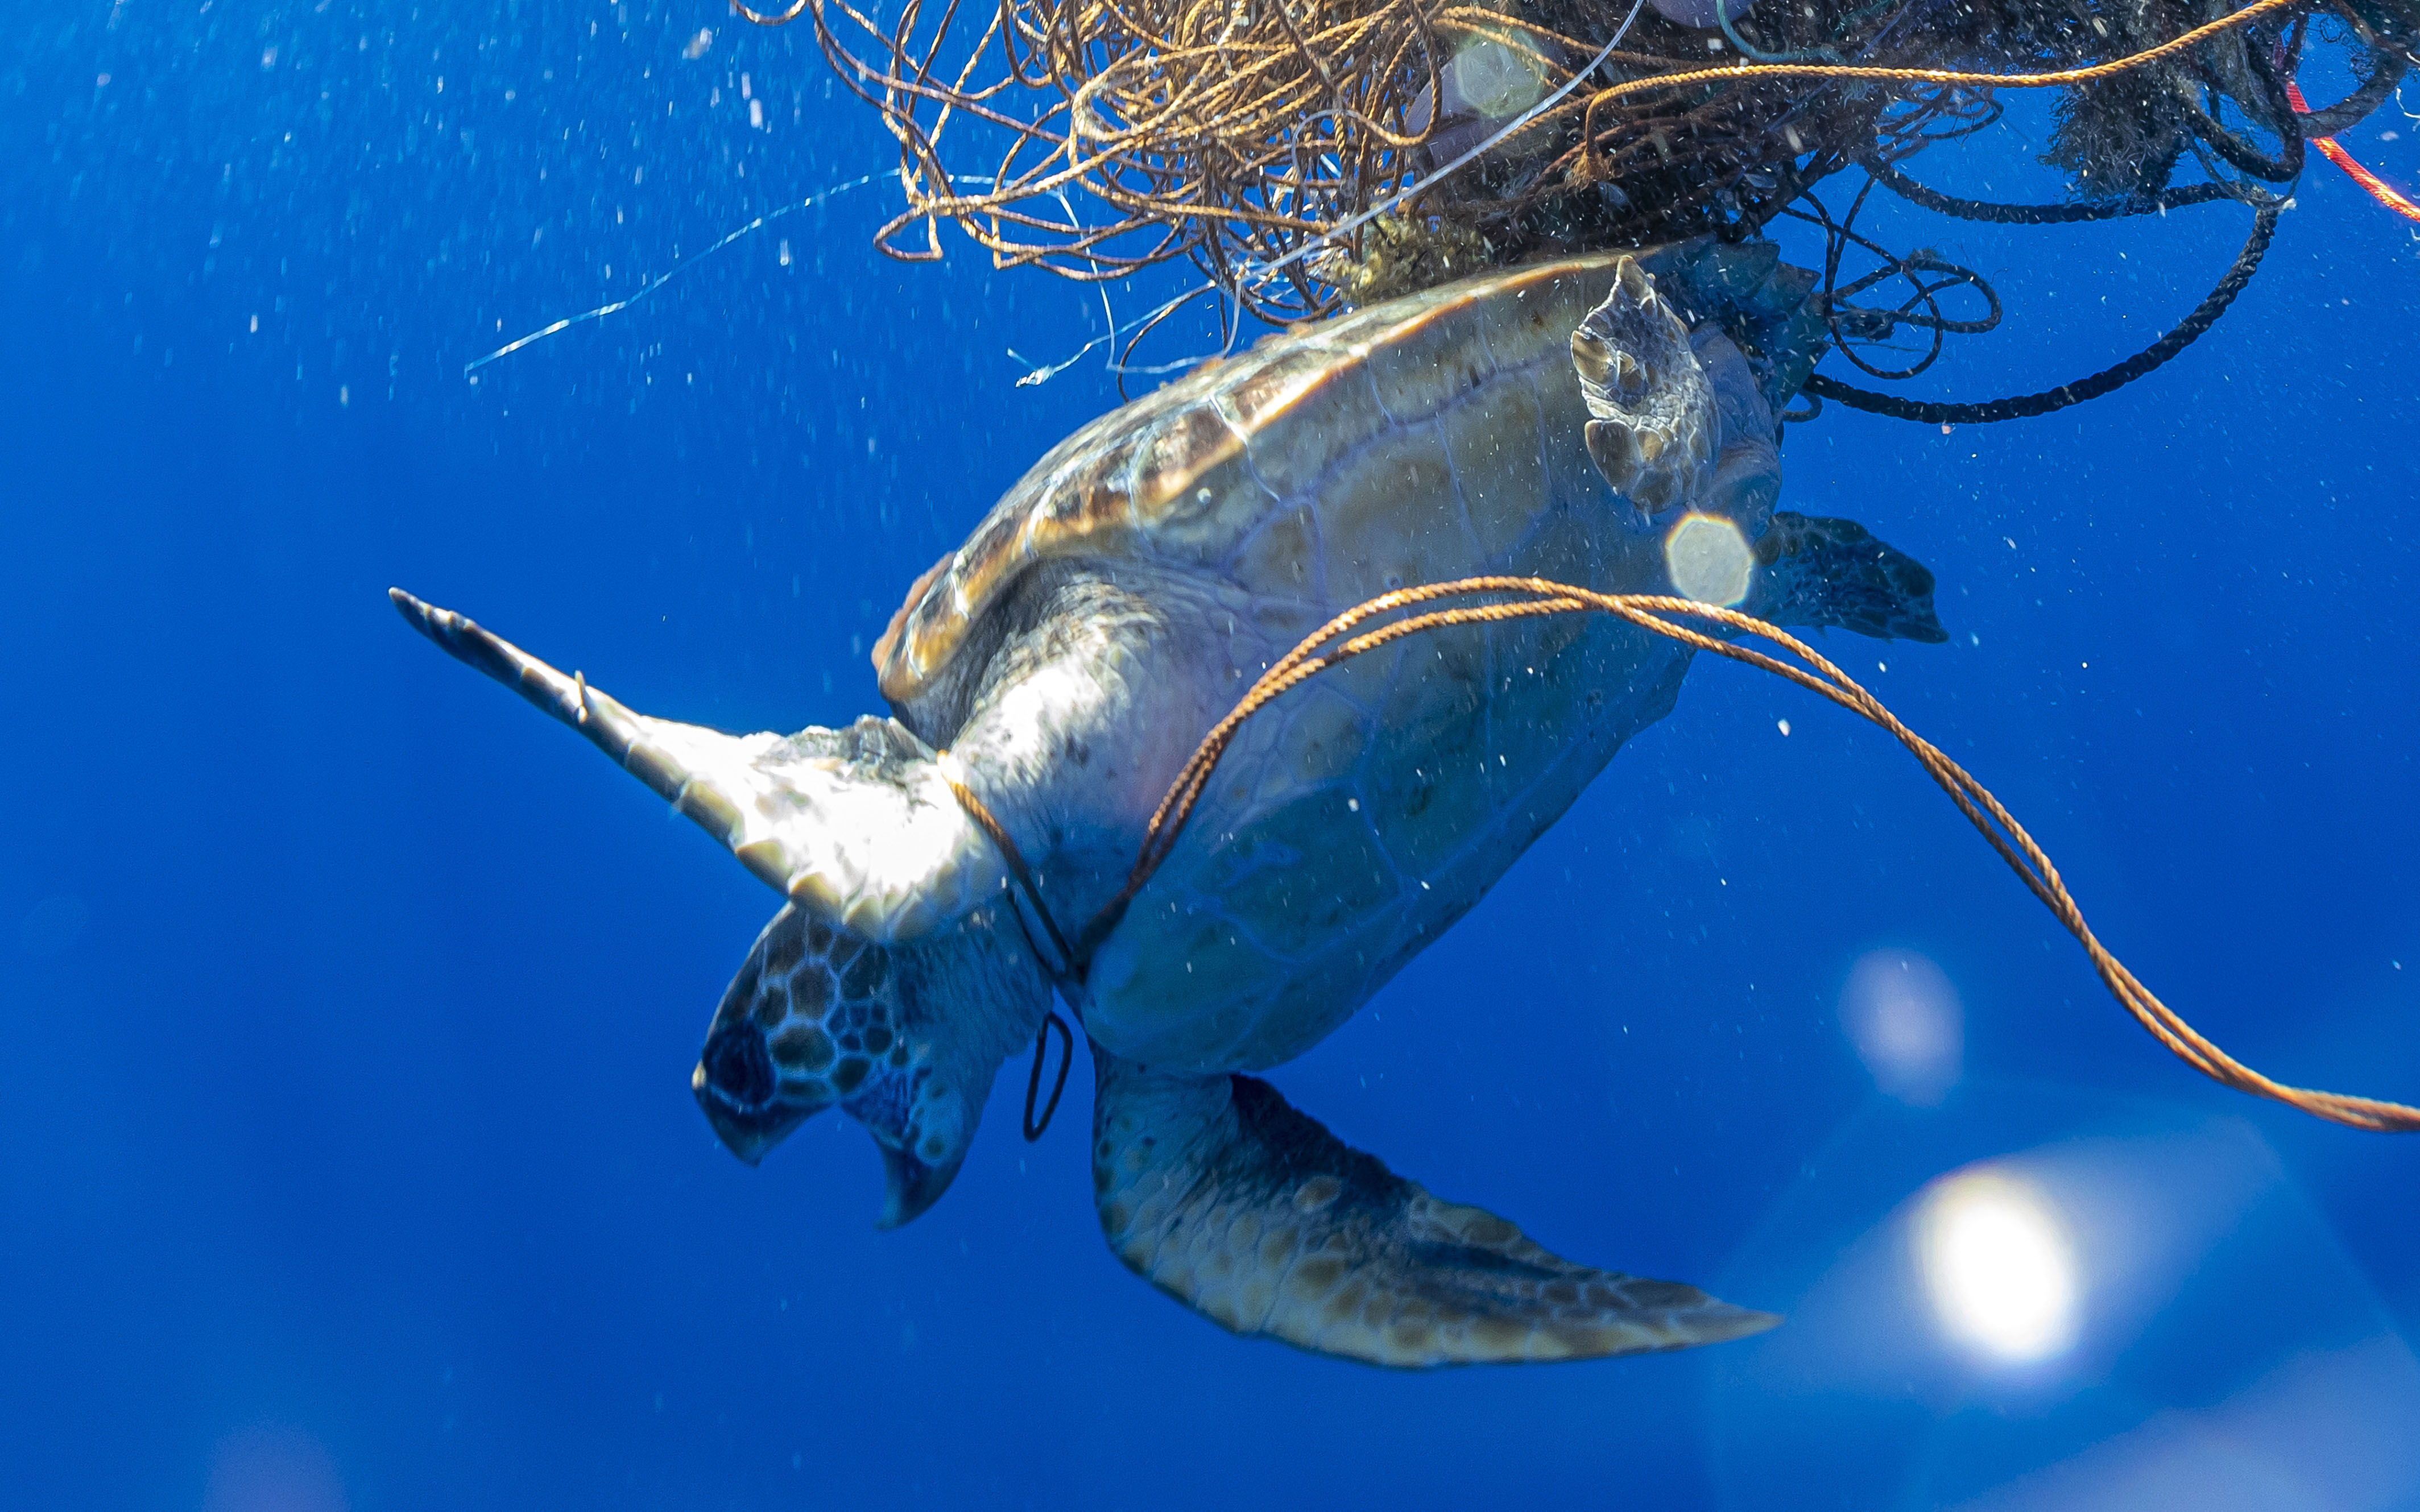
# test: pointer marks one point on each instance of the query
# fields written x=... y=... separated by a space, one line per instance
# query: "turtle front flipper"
x=860 y=825
x=1217 y=1191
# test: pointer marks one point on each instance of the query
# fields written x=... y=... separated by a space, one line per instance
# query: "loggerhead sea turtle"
x=1559 y=420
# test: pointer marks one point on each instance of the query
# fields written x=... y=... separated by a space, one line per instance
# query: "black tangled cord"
x=1854 y=328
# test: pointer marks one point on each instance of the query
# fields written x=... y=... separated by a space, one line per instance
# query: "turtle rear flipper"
x=1217 y=1191
x=1655 y=423
x=1835 y=572
x=856 y=825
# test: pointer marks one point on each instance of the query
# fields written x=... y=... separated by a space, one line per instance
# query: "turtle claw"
x=1635 y=282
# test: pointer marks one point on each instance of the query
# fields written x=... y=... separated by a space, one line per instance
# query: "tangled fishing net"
x=1257 y=138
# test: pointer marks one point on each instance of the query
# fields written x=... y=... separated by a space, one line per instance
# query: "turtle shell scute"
x=1170 y=477
x=1191 y=474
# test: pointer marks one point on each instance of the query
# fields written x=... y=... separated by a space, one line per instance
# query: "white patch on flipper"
x=858 y=825
x=889 y=855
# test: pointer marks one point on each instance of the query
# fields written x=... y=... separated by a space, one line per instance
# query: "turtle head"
x=906 y=1038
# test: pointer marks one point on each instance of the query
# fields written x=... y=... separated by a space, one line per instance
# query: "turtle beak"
x=909 y=1185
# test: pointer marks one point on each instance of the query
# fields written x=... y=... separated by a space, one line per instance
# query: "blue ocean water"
x=346 y=1007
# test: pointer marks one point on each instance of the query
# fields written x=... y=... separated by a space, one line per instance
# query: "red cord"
x=2377 y=187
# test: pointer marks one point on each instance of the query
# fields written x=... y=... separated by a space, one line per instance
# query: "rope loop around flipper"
x=1678 y=618
x=1065 y=970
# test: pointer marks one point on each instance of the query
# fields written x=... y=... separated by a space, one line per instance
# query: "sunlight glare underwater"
x=1708 y=560
x=1998 y=1265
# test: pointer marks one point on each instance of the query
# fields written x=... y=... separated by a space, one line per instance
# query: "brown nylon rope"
x=1535 y=597
x=1734 y=72
x=985 y=821
x=1998 y=81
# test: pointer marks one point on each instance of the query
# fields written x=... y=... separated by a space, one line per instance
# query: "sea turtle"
x=1564 y=420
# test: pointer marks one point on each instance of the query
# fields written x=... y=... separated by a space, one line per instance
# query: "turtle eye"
x=736 y=1085
x=768 y=1061
x=736 y=1067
